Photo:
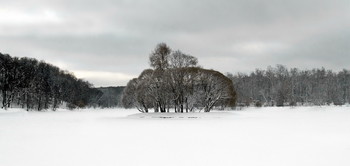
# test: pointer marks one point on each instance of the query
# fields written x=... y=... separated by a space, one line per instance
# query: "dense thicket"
x=176 y=82
x=32 y=84
x=279 y=86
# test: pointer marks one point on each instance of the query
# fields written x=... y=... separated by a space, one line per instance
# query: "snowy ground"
x=304 y=136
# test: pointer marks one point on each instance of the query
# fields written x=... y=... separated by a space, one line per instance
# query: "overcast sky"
x=108 y=42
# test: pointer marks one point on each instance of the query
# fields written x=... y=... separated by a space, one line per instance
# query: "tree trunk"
x=39 y=104
x=4 y=99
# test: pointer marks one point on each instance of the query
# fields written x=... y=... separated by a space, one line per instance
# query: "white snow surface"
x=301 y=136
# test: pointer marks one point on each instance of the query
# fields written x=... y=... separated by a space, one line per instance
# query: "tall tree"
x=159 y=57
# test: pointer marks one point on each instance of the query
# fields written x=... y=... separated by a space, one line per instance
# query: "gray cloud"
x=98 y=38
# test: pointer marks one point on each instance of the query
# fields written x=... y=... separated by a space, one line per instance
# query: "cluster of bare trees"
x=176 y=82
x=279 y=86
x=32 y=84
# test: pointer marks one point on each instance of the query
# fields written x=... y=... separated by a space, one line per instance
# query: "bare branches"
x=31 y=84
x=279 y=86
x=177 y=83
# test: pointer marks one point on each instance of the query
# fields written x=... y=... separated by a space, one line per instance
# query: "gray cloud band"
x=230 y=36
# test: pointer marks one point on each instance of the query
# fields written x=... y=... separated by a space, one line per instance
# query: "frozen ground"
x=307 y=136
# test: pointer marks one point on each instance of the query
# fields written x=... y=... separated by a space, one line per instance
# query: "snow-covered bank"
x=310 y=136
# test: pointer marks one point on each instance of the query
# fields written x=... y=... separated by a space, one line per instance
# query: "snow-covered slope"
x=303 y=136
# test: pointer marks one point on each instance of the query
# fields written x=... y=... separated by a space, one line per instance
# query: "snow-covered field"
x=304 y=136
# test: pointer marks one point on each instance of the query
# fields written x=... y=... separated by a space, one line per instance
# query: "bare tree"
x=176 y=82
x=180 y=64
x=159 y=57
x=214 y=88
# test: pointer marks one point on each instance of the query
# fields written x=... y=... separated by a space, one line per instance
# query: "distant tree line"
x=32 y=84
x=177 y=83
x=279 y=86
x=111 y=97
